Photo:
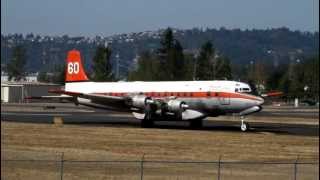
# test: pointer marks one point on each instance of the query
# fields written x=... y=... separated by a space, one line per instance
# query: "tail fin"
x=74 y=70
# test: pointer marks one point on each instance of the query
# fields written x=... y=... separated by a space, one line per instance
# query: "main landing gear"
x=148 y=120
x=244 y=125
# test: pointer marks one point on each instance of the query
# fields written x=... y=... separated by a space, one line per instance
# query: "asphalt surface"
x=88 y=117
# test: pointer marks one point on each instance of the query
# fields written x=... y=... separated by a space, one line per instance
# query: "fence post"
x=296 y=168
x=219 y=166
x=61 y=166
x=141 y=167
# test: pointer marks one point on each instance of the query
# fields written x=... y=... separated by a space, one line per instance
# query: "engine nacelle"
x=251 y=110
x=176 y=106
x=140 y=101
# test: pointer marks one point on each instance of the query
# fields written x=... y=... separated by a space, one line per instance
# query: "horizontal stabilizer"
x=272 y=94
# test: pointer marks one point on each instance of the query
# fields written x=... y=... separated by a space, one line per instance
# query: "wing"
x=73 y=96
x=51 y=98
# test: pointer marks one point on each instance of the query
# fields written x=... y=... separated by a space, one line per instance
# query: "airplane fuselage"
x=210 y=97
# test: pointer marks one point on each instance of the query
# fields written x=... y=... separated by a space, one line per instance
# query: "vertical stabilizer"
x=74 y=69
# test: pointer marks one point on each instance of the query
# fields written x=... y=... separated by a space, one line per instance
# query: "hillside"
x=275 y=46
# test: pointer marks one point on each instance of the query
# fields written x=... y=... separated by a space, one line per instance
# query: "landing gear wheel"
x=197 y=123
x=244 y=125
x=147 y=121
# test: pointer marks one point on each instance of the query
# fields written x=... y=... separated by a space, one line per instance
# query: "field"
x=116 y=142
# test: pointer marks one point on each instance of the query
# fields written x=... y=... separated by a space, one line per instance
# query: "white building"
x=16 y=92
x=28 y=78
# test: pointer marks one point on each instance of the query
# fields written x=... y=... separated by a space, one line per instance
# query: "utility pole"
x=195 y=57
x=117 y=65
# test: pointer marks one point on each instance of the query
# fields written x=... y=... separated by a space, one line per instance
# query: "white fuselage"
x=140 y=86
x=205 y=96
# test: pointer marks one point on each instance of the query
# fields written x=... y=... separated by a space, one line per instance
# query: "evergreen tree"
x=189 y=66
x=303 y=75
x=147 y=68
x=171 y=58
x=274 y=79
x=42 y=76
x=176 y=62
x=204 y=64
x=258 y=76
x=59 y=74
x=17 y=64
x=312 y=77
x=284 y=85
x=222 y=69
x=102 y=69
x=167 y=41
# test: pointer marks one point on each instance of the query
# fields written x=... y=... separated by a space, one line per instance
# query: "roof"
x=28 y=83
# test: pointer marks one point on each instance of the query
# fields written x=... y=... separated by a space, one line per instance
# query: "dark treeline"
x=273 y=46
x=297 y=78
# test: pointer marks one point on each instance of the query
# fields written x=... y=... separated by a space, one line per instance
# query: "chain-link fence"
x=144 y=169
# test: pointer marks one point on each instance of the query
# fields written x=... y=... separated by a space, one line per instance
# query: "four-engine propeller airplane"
x=154 y=101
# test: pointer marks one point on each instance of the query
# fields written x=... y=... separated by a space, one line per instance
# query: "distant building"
x=29 y=78
x=16 y=92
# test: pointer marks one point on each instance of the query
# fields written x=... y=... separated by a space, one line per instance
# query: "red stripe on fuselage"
x=188 y=95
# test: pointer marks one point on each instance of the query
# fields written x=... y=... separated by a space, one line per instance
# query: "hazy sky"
x=107 y=17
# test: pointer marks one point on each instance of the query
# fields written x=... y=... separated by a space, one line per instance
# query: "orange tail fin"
x=74 y=70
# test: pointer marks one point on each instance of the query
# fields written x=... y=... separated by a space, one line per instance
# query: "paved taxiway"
x=109 y=118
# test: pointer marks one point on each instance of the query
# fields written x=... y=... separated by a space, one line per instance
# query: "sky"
x=109 y=17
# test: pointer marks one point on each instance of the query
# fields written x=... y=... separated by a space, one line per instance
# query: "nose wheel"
x=244 y=125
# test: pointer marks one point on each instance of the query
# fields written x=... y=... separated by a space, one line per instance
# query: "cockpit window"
x=242 y=90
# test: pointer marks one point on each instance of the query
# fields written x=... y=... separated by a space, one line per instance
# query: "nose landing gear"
x=244 y=125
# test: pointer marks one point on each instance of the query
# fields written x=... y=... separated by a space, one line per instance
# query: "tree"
x=204 y=64
x=257 y=76
x=56 y=75
x=147 y=68
x=166 y=41
x=189 y=66
x=312 y=75
x=102 y=69
x=42 y=76
x=171 y=58
x=17 y=64
x=303 y=75
x=222 y=69
x=59 y=74
x=175 y=62
x=274 y=79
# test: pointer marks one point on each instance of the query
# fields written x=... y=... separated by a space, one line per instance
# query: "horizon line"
x=159 y=29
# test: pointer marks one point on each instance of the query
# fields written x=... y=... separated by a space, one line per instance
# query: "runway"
x=88 y=117
x=277 y=135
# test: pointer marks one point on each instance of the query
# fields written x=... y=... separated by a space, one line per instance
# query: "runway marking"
x=267 y=133
x=91 y=111
x=32 y=114
x=114 y=115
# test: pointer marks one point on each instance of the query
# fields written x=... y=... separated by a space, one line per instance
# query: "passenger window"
x=236 y=90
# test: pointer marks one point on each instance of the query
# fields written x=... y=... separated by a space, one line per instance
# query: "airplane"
x=155 y=101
